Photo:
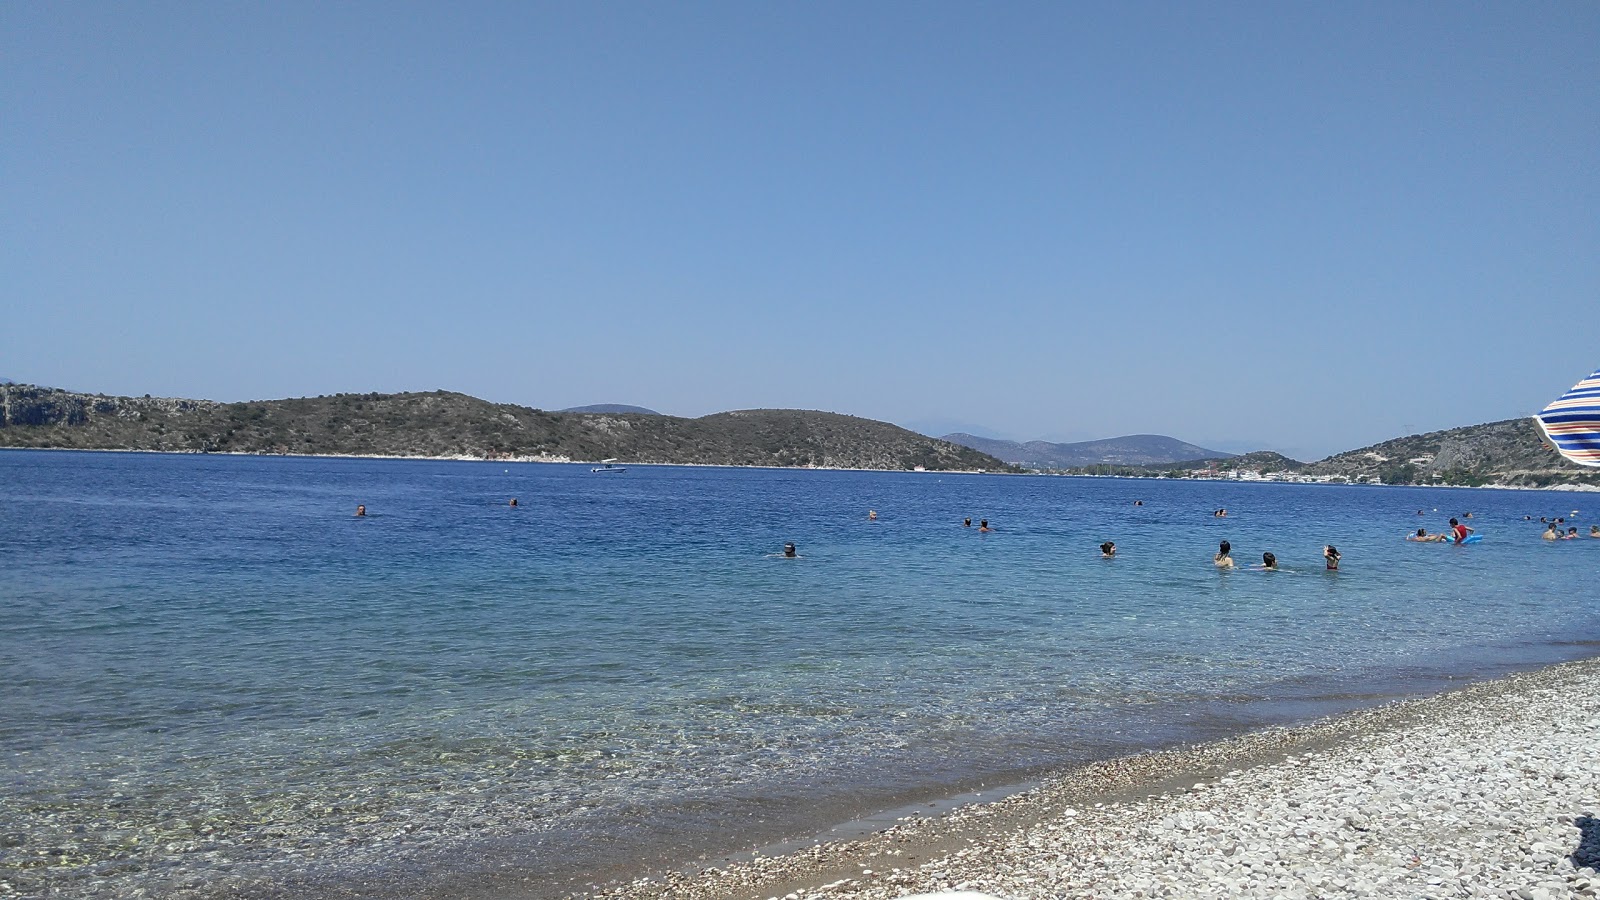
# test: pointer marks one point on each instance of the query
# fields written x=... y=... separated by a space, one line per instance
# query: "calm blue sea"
x=218 y=681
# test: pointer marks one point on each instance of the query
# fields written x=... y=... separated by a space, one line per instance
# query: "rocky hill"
x=1129 y=450
x=1258 y=461
x=442 y=423
x=1509 y=452
x=1262 y=461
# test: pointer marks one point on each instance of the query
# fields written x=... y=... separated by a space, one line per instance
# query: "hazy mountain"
x=1130 y=450
x=933 y=427
x=611 y=408
x=441 y=423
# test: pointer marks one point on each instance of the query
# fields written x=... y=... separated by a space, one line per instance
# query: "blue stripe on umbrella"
x=1572 y=422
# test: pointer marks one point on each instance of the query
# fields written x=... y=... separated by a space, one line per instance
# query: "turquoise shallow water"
x=218 y=681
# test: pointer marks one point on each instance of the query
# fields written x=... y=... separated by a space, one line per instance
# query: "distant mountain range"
x=612 y=408
x=1129 y=450
x=442 y=423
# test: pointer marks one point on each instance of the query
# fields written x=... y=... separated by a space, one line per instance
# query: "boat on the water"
x=606 y=466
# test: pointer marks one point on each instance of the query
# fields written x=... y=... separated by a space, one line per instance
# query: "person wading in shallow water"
x=1331 y=554
x=1224 y=557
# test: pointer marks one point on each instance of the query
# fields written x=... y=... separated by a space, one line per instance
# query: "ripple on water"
x=290 y=696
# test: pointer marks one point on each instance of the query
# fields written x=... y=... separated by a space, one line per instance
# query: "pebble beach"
x=1491 y=791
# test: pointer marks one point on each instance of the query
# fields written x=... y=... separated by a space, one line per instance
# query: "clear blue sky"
x=1298 y=226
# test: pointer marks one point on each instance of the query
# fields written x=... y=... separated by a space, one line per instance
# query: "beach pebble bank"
x=1492 y=791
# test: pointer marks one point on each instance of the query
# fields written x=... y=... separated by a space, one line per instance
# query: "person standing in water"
x=1459 y=530
x=1331 y=554
x=1224 y=557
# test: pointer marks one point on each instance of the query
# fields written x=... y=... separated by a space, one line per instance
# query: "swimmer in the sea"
x=966 y=523
x=1331 y=554
x=1594 y=531
x=1138 y=503
x=789 y=552
x=361 y=510
x=1224 y=557
x=1551 y=533
x=983 y=526
x=1423 y=536
x=872 y=515
x=1269 y=563
x=1108 y=550
x=513 y=501
x=1571 y=533
x=1220 y=514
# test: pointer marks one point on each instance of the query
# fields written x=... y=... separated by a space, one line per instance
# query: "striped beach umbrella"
x=1572 y=423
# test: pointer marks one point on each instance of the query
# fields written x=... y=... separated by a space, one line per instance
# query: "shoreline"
x=1571 y=488
x=1343 y=806
x=552 y=460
